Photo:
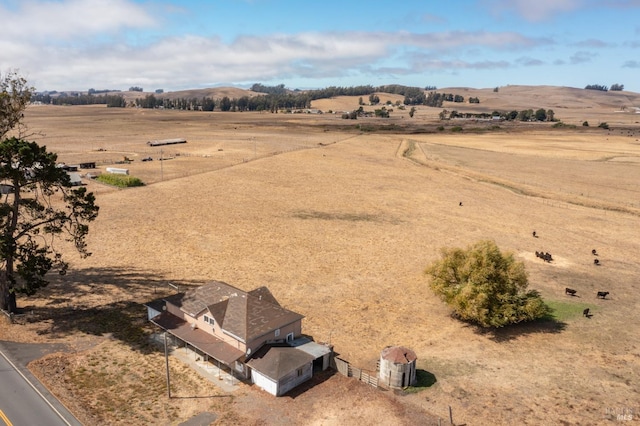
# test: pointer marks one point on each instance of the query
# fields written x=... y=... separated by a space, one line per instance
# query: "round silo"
x=397 y=367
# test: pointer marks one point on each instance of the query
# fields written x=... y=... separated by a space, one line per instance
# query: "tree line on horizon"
x=603 y=88
x=275 y=98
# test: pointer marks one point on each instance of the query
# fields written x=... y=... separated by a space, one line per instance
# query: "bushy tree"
x=600 y=87
x=617 y=87
x=541 y=114
x=551 y=115
x=485 y=286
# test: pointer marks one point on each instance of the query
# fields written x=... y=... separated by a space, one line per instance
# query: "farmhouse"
x=248 y=332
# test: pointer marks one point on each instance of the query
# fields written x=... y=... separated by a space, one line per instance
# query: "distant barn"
x=74 y=178
x=166 y=142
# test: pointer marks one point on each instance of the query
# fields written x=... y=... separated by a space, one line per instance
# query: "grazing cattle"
x=460 y=203
x=570 y=291
x=534 y=234
x=596 y=262
x=586 y=313
x=603 y=294
x=547 y=257
x=594 y=252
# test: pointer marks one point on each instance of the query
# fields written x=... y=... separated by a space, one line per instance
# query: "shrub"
x=485 y=286
x=121 y=181
x=585 y=124
x=603 y=126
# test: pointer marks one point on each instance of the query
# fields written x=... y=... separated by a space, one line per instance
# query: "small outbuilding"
x=397 y=367
x=75 y=178
x=277 y=370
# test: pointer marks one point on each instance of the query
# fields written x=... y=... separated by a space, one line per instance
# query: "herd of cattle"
x=546 y=256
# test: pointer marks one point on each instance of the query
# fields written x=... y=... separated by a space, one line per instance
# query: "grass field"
x=340 y=224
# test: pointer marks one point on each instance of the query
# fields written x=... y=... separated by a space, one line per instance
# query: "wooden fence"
x=348 y=370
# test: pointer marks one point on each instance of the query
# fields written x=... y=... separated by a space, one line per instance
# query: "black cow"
x=534 y=234
x=586 y=313
x=594 y=252
x=570 y=291
x=596 y=262
x=603 y=294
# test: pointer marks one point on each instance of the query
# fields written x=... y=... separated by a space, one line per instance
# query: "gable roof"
x=243 y=315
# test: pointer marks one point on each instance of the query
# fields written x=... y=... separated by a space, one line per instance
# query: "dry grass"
x=340 y=226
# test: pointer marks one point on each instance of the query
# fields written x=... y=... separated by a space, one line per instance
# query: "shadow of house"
x=249 y=333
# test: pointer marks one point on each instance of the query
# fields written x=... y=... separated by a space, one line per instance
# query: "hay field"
x=340 y=225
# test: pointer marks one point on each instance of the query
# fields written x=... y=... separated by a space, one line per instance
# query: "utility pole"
x=166 y=360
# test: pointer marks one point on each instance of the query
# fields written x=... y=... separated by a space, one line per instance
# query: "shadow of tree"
x=547 y=325
x=99 y=302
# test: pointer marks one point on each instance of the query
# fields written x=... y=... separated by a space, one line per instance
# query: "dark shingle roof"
x=244 y=315
x=277 y=362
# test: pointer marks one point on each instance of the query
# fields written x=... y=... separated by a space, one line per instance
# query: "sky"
x=191 y=44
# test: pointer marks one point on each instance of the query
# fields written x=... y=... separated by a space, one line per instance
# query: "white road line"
x=34 y=388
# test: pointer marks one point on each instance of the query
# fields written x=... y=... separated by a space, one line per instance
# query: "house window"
x=300 y=371
x=209 y=320
x=277 y=333
x=290 y=337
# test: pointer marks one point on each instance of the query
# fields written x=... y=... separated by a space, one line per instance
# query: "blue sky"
x=173 y=45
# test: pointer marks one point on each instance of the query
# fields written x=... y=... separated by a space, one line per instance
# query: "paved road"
x=24 y=401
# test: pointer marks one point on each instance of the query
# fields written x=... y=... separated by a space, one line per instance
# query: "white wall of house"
x=295 y=378
x=152 y=313
x=264 y=383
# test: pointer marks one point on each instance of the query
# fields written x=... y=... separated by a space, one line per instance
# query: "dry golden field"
x=339 y=219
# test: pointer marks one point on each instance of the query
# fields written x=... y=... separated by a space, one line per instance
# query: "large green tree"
x=38 y=205
x=485 y=286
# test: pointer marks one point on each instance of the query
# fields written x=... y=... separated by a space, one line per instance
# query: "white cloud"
x=64 y=20
x=183 y=61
